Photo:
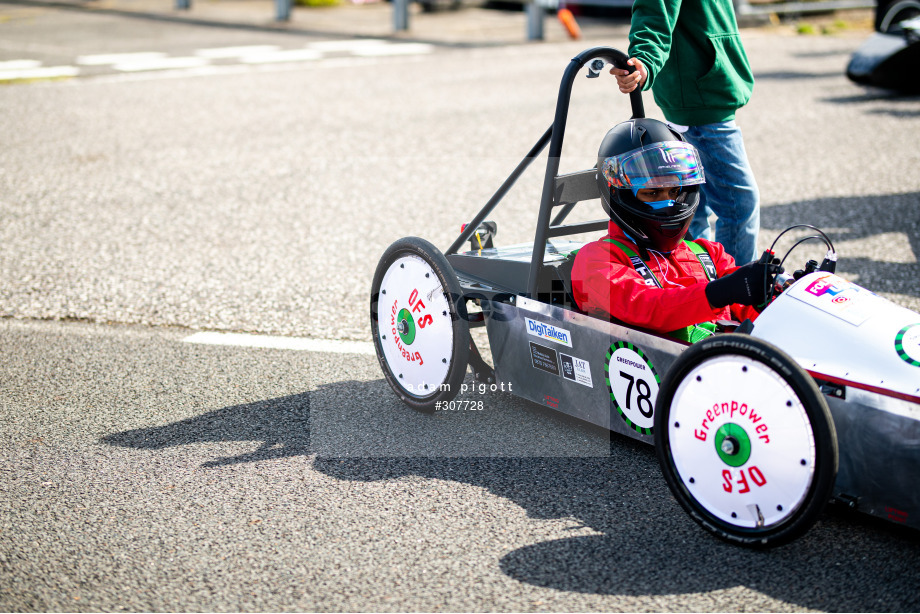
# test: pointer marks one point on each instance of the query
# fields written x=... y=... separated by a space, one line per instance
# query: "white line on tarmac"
x=216 y=53
x=161 y=64
x=287 y=55
x=348 y=44
x=235 y=69
x=302 y=344
x=394 y=49
x=19 y=64
x=42 y=72
x=101 y=59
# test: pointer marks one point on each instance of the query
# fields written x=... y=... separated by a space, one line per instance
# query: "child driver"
x=643 y=272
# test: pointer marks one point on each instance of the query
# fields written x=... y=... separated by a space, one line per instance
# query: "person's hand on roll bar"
x=627 y=81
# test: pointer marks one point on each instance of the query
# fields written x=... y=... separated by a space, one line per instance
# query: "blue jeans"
x=730 y=190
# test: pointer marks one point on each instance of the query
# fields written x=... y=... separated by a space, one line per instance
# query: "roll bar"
x=553 y=136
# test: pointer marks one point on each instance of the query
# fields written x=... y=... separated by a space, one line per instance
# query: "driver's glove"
x=747 y=285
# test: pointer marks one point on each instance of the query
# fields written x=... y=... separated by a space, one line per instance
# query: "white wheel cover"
x=746 y=406
x=414 y=325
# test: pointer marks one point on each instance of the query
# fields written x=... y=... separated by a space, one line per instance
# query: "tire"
x=745 y=441
x=895 y=13
x=419 y=324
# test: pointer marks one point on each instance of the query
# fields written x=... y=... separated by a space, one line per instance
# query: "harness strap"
x=640 y=266
x=694 y=332
x=709 y=267
x=705 y=259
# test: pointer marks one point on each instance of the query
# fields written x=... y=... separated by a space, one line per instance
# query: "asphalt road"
x=144 y=472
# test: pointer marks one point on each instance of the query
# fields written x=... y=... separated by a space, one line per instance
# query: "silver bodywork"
x=878 y=432
x=591 y=338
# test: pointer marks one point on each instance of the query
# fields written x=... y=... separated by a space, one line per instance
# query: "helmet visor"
x=665 y=164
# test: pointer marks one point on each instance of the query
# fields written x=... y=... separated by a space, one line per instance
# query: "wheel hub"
x=405 y=326
x=733 y=444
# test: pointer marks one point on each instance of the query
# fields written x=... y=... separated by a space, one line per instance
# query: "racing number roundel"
x=632 y=382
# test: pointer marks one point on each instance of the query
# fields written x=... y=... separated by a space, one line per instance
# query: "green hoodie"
x=697 y=69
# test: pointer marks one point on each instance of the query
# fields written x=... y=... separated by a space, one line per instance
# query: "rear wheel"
x=745 y=441
x=419 y=324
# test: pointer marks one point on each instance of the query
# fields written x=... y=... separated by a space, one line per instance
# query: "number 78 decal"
x=632 y=382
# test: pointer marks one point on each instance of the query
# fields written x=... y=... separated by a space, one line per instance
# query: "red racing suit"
x=605 y=281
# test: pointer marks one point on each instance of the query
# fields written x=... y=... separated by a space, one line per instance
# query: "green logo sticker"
x=405 y=325
x=733 y=444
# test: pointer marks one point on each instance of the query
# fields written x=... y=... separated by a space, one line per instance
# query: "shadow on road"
x=280 y=425
x=874 y=95
x=860 y=218
x=786 y=75
x=645 y=545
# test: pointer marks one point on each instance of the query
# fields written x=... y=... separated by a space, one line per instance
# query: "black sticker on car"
x=544 y=358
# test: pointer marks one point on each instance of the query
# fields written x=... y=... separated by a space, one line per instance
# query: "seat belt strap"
x=705 y=259
x=640 y=266
x=689 y=334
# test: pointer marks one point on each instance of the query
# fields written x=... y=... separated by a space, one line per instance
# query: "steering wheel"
x=782 y=280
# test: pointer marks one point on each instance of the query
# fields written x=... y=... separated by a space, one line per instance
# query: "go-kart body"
x=890 y=59
x=754 y=432
x=555 y=355
x=862 y=350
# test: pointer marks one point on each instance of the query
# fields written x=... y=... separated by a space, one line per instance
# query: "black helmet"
x=646 y=153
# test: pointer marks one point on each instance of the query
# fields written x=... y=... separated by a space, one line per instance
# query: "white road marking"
x=237 y=69
x=302 y=344
x=179 y=73
x=394 y=49
x=161 y=64
x=287 y=55
x=19 y=64
x=249 y=57
x=117 y=58
x=347 y=45
x=217 y=53
x=44 y=72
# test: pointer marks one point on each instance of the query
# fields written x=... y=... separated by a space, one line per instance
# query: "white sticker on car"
x=576 y=370
x=548 y=332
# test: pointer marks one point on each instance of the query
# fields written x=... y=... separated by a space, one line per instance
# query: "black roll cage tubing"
x=553 y=136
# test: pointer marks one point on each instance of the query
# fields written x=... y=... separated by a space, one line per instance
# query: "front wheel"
x=419 y=324
x=745 y=441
